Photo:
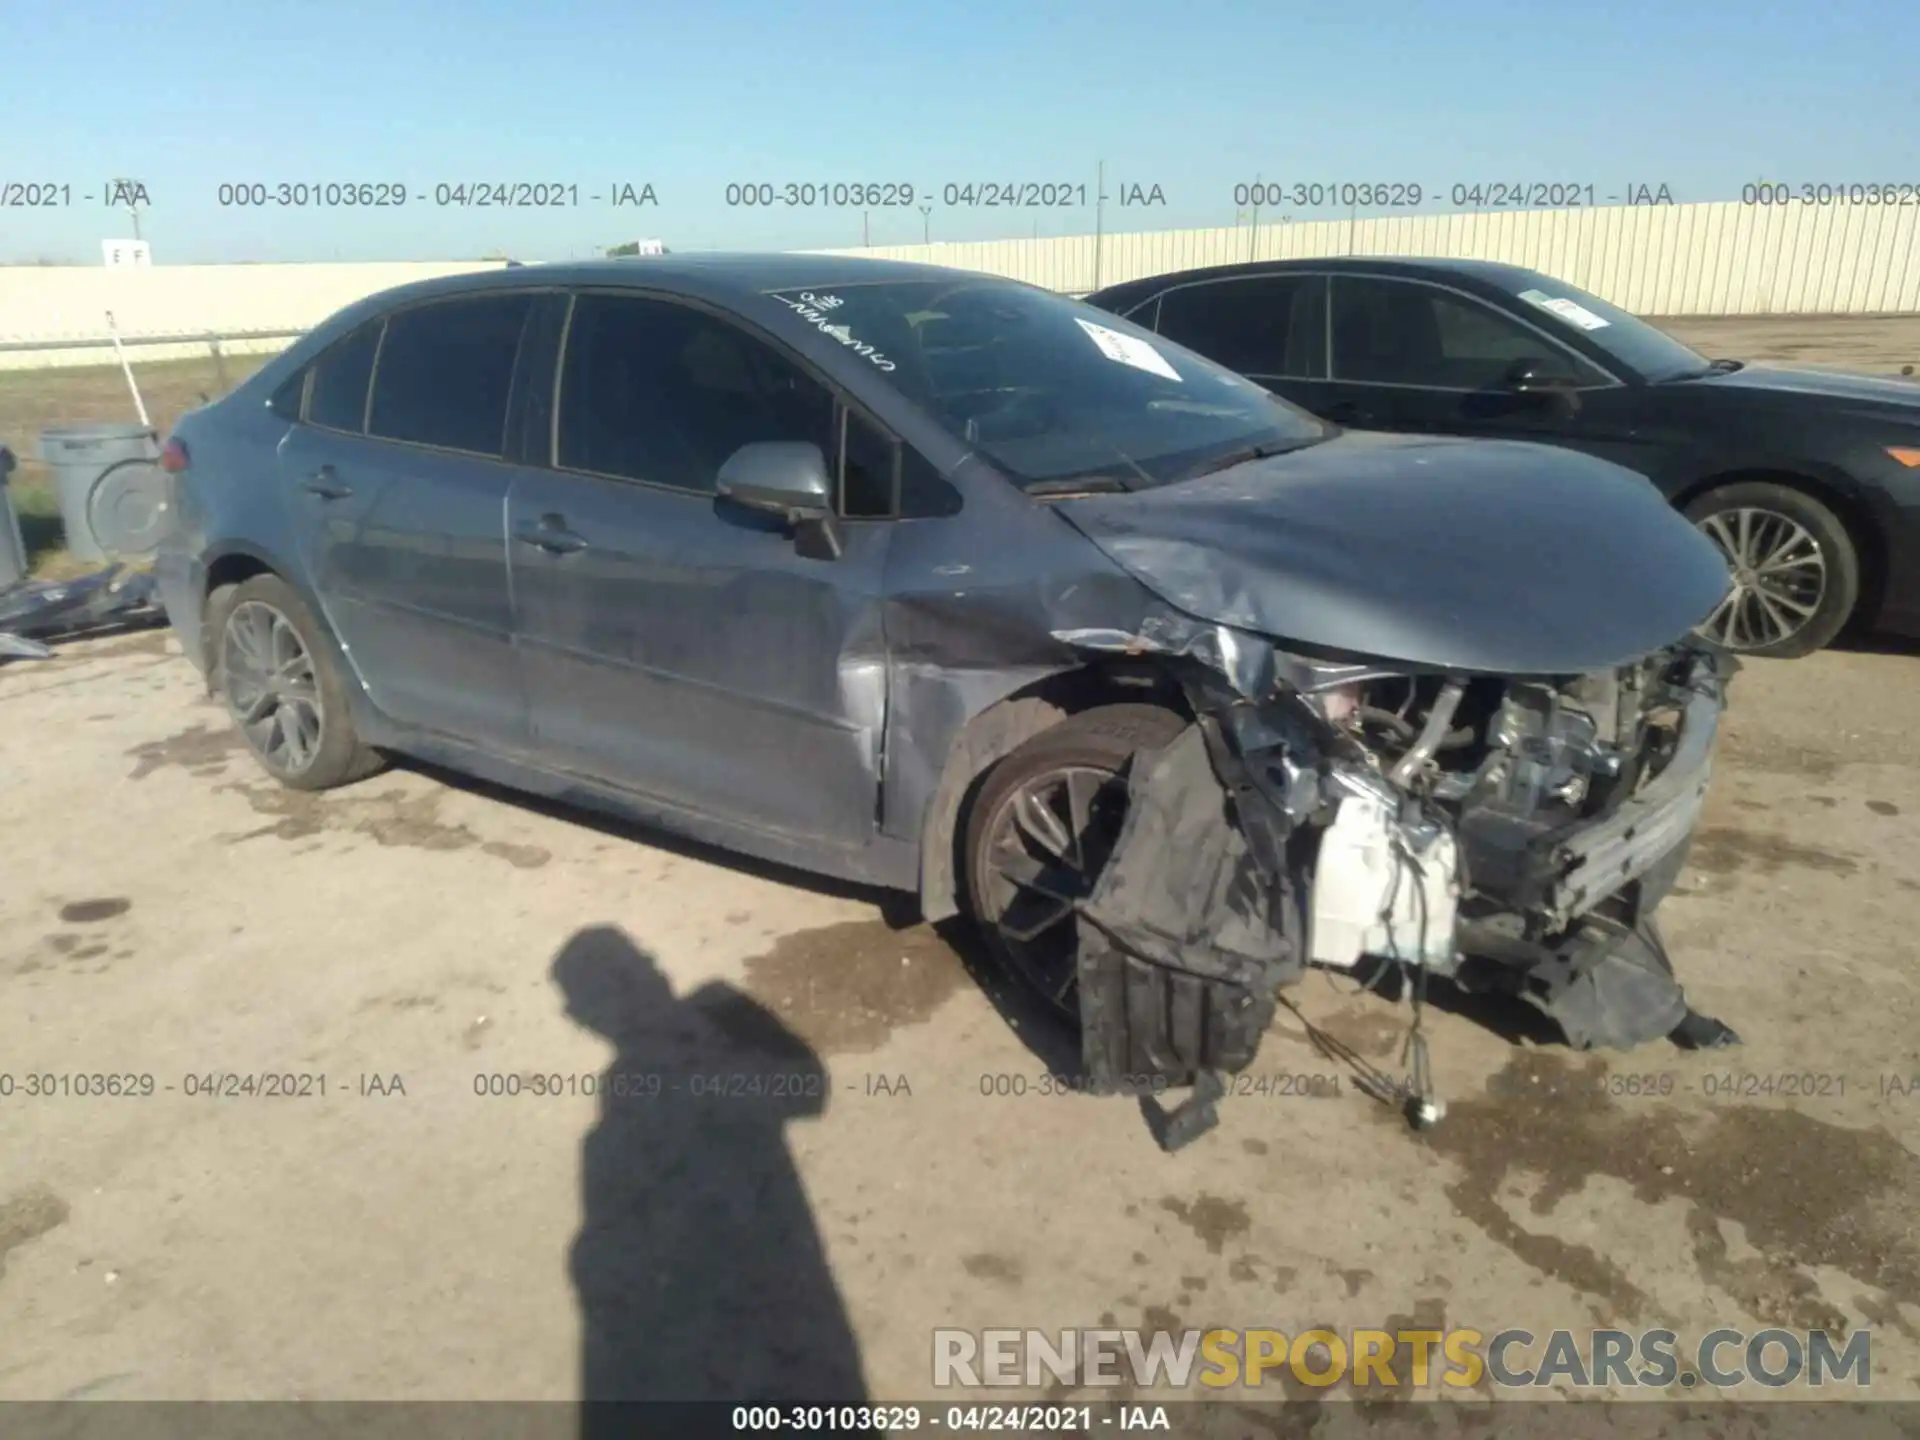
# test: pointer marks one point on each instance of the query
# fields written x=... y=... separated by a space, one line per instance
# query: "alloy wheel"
x=1046 y=846
x=271 y=688
x=1779 y=578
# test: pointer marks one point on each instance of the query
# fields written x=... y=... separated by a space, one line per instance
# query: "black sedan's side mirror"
x=1529 y=374
x=787 y=479
x=1541 y=383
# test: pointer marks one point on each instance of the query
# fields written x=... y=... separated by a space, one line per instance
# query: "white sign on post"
x=121 y=253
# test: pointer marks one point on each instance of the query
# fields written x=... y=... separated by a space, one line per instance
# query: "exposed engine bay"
x=1509 y=834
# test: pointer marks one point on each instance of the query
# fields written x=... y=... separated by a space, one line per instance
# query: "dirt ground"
x=871 y=1153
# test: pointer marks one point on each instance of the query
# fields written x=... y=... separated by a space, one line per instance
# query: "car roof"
x=1480 y=274
x=716 y=276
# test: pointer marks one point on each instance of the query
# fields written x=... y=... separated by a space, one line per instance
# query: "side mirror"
x=787 y=478
x=1529 y=374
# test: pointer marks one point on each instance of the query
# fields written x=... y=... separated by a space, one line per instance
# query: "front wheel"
x=1040 y=831
x=1796 y=573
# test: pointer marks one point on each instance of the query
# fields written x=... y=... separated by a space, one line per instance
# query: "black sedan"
x=1809 y=482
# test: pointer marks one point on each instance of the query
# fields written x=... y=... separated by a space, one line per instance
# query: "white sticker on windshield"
x=1127 y=350
x=1565 y=309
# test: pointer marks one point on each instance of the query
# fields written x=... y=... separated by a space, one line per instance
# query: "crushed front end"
x=1507 y=833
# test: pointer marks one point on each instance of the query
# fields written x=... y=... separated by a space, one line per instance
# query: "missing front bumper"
x=1233 y=872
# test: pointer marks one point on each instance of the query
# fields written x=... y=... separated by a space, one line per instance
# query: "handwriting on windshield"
x=818 y=310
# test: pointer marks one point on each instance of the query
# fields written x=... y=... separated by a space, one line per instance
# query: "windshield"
x=1052 y=390
x=1626 y=337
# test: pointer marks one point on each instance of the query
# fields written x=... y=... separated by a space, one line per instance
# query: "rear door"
x=672 y=643
x=398 y=488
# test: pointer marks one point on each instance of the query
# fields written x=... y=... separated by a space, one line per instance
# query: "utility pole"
x=926 y=224
x=1099 y=217
x=130 y=188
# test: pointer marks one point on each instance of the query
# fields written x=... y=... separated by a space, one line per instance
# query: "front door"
x=1418 y=358
x=673 y=643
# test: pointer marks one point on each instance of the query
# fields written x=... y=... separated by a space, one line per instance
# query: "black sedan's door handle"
x=324 y=483
x=550 y=535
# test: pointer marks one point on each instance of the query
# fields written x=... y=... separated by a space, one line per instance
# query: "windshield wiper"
x=1077 y=485
x=1248 y=453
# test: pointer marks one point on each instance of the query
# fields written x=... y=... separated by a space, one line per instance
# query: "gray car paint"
x=1499 y=557
x=835 y=718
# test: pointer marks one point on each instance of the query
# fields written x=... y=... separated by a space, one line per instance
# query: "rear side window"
x=338 y=399
x=1266 y=325
x=445 y=373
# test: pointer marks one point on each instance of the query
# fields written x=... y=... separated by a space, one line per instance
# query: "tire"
x=1748 y=622
x=1098 y=747
x=256 y=620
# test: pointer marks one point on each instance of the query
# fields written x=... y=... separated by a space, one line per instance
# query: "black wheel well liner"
x=1868 y=541
x=233 y=567
x=1003 y=727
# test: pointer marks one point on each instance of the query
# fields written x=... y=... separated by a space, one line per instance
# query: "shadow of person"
x=699 y=1272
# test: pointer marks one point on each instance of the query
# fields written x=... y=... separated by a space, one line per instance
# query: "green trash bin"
x=80 y=456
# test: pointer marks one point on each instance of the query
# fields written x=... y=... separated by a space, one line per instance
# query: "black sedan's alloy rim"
x=1779 y=578
x=1046 y=845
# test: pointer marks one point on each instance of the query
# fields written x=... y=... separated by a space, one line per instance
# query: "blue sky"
x=1191 y=95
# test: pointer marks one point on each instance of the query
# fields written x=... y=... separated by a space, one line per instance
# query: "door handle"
x=324 y=483
x=550 y=535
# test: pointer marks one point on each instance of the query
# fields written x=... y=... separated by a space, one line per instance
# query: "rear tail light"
x=173 y=457
x=1906 y=455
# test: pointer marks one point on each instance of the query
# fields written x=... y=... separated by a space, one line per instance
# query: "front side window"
x=337 y=397
x=1050 y=389
x=445 y=370
x=1399 y=332
x=659 y=392
x=1623 y=336
x=1261 y=325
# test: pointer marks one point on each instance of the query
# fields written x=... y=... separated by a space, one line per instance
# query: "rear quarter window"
x=337 y=395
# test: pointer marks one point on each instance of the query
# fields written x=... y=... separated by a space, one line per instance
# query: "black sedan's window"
x=445 y=370
x=1402 y=332
x=1259 y=325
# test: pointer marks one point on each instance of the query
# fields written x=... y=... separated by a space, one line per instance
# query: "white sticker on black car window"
x=1127 y=350
x=1570 y=310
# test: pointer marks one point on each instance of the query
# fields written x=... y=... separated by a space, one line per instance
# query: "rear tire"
x=1796 y=569
x=1077 y=774
x=272 y=663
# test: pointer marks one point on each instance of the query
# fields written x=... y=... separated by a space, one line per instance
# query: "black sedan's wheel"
x=1796 y=574
x=282 y=689
x=1041 y=830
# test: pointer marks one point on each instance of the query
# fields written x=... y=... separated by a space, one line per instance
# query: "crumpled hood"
x=1493 y=556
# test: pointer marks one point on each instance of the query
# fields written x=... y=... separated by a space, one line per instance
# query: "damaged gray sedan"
x=945 y=583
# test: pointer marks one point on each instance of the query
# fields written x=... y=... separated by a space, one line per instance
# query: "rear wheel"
x=1796 y=572
x=1040 y=831
x=280 y=684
